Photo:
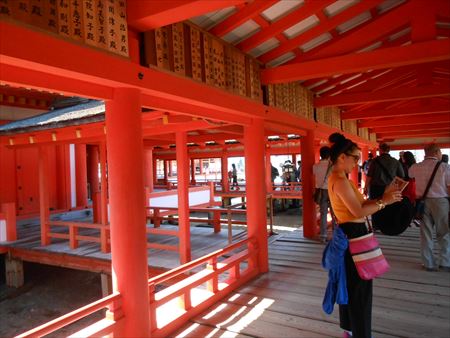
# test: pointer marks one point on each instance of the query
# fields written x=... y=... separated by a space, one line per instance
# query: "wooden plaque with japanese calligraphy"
x=51 y=15
x=37 y=13
x=218 y=63
x=177 y=45
x=196 y=53
x=90 y=23
x=208 y=59
x=241 y=73
x=229 y=75
x=76 y=20
x=101 y=23
x=6 y=9
x=112 y=26
x=162 y=47
x=121 y=18
x=64 y=18
x=21 y=10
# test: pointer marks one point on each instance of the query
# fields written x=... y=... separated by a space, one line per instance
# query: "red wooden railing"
x=163 y=321
x=112 y=302
x=74 y=237
x=167 y=316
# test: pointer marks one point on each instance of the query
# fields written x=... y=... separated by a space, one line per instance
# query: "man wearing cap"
x=381 y=172
x=436 y=207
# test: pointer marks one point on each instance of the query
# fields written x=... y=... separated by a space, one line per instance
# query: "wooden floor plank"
x=408 y=301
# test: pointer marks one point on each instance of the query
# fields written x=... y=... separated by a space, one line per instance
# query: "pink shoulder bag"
x=367 y=256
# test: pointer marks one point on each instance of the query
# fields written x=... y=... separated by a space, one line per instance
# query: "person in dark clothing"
x=381 y=172
x=234 y=176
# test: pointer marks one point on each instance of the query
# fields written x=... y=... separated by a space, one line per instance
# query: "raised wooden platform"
x=89 y=257
x=287 y=301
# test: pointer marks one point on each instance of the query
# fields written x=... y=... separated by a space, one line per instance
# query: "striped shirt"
x=319 y=171
x=422 y=173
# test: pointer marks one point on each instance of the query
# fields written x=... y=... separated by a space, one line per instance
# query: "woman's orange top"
x=339 y=208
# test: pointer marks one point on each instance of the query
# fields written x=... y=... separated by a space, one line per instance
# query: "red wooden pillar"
x=94 y=184
x=81 y=174
x=44 y=196
x=128 y=233
x=155 y=170
x=309 y=211
x=254 y=141
x=63 y=176
x=103 y=185
x=170 y=174
x=183 y=196
x=193 y=171
x=9 y=210
x=201 y=167
x=224 y=169
x=165 y=171
x=269 y=185
x=148 y=168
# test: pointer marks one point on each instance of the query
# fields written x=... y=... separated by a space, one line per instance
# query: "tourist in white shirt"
x=436 y=208
x=321 y=171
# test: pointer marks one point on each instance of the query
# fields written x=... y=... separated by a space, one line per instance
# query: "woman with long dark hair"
x=350 y=208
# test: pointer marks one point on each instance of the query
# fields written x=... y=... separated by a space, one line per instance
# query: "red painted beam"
x=415 y=134
x=417 y=53
x=383 y=96
x=372 y=32
x=87 y=72
x=417 y=127
x=192 y=109
x=309 y=8
x=144 y=15
x=443 y=118
x=415 y=146
x=248 y=12
x=400 y=112
x=373 y=77
x=64 y=85
x=384 y=80
x=322 y=28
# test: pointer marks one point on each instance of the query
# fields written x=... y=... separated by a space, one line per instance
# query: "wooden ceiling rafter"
x=414 y=127
x=322 y=28
x=310 y=7
x=146 y=15
x=443 y=118
x=418 y=109
x=384 y=25
x=247 y=12
x=364 y=76
x=391 y=95
x=417 y=53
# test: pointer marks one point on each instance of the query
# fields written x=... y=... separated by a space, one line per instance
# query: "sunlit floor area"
x=287 y=301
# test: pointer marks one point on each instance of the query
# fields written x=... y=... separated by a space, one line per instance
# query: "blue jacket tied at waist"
x=333 y=261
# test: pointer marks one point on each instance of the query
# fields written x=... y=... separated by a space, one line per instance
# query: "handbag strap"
x=369 y=225
x=431 y=179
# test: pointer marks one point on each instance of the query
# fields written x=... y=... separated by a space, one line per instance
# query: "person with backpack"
x=381 y=172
